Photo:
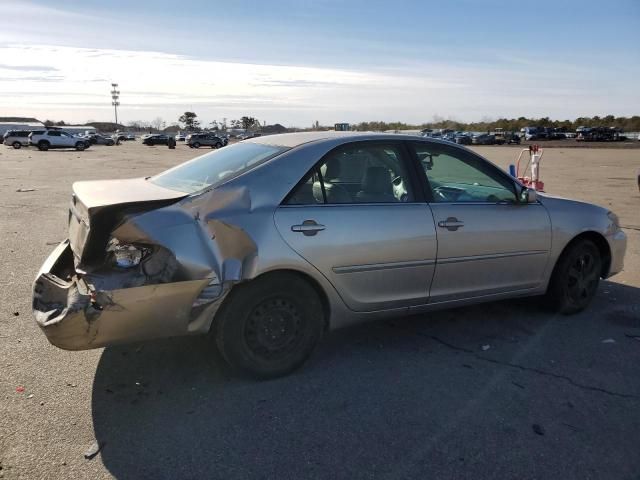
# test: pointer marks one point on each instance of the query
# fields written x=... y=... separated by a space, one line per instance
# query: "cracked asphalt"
x=501 y=390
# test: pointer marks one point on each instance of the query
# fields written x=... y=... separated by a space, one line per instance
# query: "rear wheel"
x=575 y=278
x=268 y=327
x=43 y=145
x=196 y=145
x=16 y=145
x=80 y=146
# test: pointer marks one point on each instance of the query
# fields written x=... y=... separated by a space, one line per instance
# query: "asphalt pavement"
x=501 y=390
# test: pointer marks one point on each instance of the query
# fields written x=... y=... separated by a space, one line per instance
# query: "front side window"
x=213 y=168
x=361 y=173
x=456 y=175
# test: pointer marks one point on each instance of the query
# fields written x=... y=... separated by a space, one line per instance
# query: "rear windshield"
x=212 y=168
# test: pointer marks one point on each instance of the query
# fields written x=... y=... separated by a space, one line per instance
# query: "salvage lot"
x=551 y=396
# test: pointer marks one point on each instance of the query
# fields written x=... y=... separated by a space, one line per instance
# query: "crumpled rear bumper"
x=74 y=316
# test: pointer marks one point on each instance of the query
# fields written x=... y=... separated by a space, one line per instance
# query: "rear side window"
x=361 y=173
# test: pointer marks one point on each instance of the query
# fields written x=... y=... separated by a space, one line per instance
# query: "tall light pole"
x=115 y=95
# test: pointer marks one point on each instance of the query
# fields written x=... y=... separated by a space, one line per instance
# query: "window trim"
x=405 y=159
x=484 y=165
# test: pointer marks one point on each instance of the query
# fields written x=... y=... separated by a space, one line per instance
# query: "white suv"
x=16 y=138
x=46 y=139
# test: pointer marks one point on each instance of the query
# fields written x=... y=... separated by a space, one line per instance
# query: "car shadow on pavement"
x=389 y=398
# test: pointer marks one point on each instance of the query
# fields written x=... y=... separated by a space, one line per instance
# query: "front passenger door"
x=488 y=241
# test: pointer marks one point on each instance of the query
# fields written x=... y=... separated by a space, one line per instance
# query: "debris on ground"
x=16 y=314
x=608 y=340
x=30 y=395
x=485 y=347
x=20 y=389
x=537 y=429
x=71 y=385
x=26 y=190
x=93 y=450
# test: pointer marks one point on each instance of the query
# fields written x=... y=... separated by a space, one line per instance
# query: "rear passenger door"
x=357 y=219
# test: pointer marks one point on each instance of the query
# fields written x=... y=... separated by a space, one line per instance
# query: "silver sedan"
x=269 y=243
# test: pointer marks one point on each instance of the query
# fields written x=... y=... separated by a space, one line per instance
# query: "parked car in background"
x=248 y=135
x=56 y=138
x=463 y=138
x=197 y=140
x=483 y=139
x=507 y=137
x=180 y=137
x=600 y=134
x=244 y=243
x=16 y=138
x=99 y=139
x=534 y=133
x=156 y=139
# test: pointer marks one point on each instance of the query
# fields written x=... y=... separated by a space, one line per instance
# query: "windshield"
x=214 y=167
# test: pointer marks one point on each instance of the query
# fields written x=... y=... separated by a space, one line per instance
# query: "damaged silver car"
x=270 y=242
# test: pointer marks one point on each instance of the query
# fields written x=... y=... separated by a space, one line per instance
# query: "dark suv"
x=156 y=139
x=197 y=140
x=16 y=138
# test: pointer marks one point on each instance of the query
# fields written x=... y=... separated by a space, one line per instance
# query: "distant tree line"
x=628 y=124
x=189 y=121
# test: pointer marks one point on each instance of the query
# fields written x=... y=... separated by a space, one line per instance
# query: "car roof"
x=292 y=140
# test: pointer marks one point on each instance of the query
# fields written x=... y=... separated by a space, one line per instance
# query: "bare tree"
x=157 y=123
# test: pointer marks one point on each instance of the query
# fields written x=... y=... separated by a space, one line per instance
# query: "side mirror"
x=528 y=195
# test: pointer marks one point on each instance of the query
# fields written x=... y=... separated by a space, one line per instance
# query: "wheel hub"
x=273 y=328
x=582 y=277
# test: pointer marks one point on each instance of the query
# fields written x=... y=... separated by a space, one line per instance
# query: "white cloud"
x=70 y=83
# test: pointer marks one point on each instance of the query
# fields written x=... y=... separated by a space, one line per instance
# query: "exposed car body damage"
x=145 y=261
x=193 y=258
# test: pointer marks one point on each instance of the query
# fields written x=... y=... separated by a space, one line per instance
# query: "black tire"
x=268 y=328
x=80 y=146
x=16 y=145
x=110 y=143
x=196 y=145
x=43 y=145
x=217 y=145
x=575 y=278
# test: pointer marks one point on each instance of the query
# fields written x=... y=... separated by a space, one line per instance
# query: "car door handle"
x=308 y=228
x=452 y=224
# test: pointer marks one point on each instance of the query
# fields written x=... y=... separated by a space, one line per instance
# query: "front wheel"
x=196 y=145
x=574 y=281
x=217 y=145
x=268 y=328
x=43 y=145
x=80 y=146
x=17 y=145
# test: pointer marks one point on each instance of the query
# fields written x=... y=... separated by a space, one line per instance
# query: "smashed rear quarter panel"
x=196 y=257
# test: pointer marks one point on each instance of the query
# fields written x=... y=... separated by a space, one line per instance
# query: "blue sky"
x=294 y=62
